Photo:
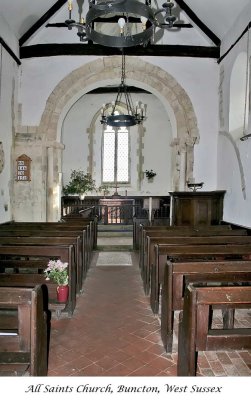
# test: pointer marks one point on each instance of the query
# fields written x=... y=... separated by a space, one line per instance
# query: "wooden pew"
x=187 y=231
x=52 y=241
x=85 y=228
x=23 y=332
x=161 y=224
x=213 y=228
x=37 y=232
x=80 y=217
x=202 y=252
x=35 y=258
x=178 y=274
x=194 y=332
x=153 y=277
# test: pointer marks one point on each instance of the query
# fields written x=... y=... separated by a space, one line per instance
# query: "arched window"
x=115 y=155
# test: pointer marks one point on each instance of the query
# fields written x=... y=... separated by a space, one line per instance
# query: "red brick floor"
x=114 y=333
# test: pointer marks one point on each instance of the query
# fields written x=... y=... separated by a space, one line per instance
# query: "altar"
x=117 y=210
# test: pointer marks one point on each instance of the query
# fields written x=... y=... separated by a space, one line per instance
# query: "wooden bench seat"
x=203 y=252
x=152 y=277
x=64 y=228
x=178 y=274
x=34 y=259
x=78 y=235
x=195 y=333
x=52 y=241
x=90 y=225
x=28 y=280
x=23 y=339
x=139 y=227
x=186 y=232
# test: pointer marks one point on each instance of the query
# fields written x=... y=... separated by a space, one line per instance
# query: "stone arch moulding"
x=143 y=74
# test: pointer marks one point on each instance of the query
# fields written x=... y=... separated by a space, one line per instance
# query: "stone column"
x=141 y=134
x=50 y=184
x=54 y=181
x=183 y=164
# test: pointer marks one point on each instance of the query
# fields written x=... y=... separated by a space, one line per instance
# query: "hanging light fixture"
x=132 y=116
x=133 y=13
x=80 y=25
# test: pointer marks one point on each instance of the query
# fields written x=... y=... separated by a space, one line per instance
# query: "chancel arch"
x=138 y=73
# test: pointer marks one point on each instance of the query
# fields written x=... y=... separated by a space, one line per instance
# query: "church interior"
x=125 y=146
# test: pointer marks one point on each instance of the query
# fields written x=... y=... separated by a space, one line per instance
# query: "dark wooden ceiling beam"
x=8 y=49
x=79 y=49
x=198 y=22
x=63 y=25
x=41 y=21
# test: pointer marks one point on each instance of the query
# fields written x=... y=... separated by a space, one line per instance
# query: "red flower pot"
x=62 y=293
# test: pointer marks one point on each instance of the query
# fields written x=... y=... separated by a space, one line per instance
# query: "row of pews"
x=27 y=299
x=197 y=272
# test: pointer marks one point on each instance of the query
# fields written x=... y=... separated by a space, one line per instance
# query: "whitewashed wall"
x=234 y=172
x=8 y=118
x=199 y=78
x=8 y=36
x=156 y=150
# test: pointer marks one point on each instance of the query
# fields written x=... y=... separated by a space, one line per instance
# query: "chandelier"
x=136 y=21
x=132 y=116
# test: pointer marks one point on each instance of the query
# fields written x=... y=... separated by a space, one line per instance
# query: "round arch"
x=142 y=74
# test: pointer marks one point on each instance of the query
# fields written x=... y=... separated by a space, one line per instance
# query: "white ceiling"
x=218 y=15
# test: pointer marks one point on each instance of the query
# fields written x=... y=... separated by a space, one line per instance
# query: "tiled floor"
x=114 y=333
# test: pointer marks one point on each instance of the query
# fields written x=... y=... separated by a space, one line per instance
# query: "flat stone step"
x=110 y=234
x=114 y=258
x=118 y=248
x=114 y=241
x=115 y=228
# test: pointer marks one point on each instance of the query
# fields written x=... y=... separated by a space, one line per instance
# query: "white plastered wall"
x=8 y=118
x=149 y=147
x=234 y=172
x=177 y=83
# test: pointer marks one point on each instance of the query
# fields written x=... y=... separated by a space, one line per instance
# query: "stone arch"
x=239 y=97
x=141 y=74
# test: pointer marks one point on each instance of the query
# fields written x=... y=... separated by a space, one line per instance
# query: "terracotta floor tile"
x=107 y=362
x=146 y=370
x=113 y=332
x=156 y=349
x=160 y=363
x=132 y=363
x=80 y=363
x=92 y=370
x=171 y=371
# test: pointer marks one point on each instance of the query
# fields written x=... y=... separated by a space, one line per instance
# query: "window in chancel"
x=115 y=155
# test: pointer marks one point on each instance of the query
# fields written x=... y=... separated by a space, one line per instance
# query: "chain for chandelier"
x=133 y=116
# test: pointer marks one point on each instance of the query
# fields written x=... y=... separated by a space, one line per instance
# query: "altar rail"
x=115 y=214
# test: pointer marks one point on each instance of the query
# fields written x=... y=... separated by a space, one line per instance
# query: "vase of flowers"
x=80 y=183
x=62 y=293
x=57 y=271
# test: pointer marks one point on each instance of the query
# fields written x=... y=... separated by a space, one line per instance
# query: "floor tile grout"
x=113 y=332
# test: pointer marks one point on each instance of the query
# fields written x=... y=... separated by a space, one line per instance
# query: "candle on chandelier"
x=69 y=5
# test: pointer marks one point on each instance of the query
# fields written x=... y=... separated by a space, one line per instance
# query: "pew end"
x=195 y=333
x=24 y=329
